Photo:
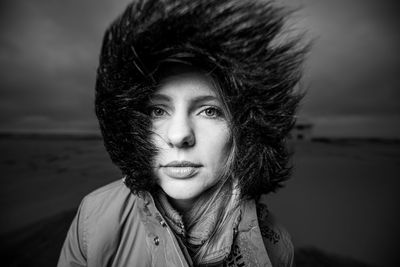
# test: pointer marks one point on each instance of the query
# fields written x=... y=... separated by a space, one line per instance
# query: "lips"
x=181 y=169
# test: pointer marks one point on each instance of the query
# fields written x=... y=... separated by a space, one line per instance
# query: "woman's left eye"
x=211 y=112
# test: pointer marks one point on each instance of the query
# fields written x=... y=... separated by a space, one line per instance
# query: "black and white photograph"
x=199 y=133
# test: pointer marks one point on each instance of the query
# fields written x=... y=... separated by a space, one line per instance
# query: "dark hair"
x=236 y=41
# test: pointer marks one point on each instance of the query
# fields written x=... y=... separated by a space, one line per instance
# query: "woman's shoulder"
x=276 y=238
x=106 y=210
x=108 y=201
x=117 y=186
x=115 y=191
x=101 y=218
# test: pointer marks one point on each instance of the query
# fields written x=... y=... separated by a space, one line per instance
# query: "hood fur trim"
x=238 y=40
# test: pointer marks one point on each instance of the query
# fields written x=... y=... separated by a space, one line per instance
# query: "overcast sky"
x=49 y=54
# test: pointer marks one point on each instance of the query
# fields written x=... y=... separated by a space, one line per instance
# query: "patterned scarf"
x=207 y=230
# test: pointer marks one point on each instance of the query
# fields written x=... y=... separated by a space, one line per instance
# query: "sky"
x=49 y=54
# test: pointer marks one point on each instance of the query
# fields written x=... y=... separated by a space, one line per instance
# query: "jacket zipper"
x=169 y=232
x=176 y=249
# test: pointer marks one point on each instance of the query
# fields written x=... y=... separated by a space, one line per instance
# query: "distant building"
x=302 y=130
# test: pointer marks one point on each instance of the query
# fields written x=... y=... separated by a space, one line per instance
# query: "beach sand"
x=341 y=205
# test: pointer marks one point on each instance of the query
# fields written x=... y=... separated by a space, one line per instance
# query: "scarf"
x=206 y=231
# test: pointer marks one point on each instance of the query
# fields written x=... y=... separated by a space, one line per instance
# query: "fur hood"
x=239 y=42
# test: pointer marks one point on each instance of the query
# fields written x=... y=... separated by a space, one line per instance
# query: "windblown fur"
x=236 y=40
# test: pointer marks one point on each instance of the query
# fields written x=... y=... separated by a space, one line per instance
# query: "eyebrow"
x=195 y=100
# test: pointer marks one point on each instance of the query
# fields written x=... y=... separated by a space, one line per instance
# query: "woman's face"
x=191 y=132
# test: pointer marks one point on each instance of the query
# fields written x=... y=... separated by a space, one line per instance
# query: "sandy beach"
x=341 y=203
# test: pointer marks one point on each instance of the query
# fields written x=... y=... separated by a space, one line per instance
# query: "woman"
x=194 y=100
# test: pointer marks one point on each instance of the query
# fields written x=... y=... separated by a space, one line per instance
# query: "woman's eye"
x=211 y=112
x=157 y=112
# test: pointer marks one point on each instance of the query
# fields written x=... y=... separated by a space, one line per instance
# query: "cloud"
x=354 y=66
x=49 y=54
x=49 y=50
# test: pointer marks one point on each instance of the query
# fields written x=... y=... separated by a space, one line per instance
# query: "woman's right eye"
x=157 y=112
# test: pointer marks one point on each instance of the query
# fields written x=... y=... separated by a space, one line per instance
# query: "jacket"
x=114 y=227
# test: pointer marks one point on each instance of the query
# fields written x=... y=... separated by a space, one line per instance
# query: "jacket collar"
x=244 y=234
x=216 y=253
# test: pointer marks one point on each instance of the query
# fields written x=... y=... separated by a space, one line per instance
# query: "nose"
x=180 y=132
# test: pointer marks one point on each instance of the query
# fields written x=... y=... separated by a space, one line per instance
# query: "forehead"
x=187 y=85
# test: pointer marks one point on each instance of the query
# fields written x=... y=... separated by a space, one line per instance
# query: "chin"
x=181 y=193
x=180 y=196
x=184 y=189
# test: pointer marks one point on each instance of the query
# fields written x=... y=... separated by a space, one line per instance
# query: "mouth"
x=181 y=169
x=182 y=164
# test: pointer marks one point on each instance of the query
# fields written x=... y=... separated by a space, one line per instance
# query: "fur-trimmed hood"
x=237 y=41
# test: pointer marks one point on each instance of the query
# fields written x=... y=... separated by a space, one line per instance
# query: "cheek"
x=216 y=143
